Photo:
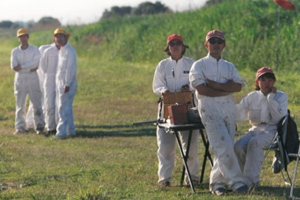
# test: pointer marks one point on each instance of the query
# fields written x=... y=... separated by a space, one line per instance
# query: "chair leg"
x=294 y=178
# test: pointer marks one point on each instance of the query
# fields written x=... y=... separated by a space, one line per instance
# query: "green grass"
x=110 y=158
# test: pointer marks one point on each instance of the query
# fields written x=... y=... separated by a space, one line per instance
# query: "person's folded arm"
x=230 y=86
x=210 y=92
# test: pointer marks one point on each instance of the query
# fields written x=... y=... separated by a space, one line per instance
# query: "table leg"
x=186 y=155
x=184 y=161
x=207 y=154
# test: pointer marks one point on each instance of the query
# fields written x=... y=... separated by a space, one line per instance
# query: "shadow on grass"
x=269 y=191
x=115 y=131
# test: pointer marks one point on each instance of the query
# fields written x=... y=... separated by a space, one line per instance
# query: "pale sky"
x=77 y=12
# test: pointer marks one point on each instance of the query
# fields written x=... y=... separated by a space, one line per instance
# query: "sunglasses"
x=178 y=43
x=219 y=41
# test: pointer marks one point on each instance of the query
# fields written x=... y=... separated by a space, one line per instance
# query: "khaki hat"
x=61 y=31
x=21 y=32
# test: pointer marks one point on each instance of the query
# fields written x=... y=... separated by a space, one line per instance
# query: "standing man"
x=172 y=75
x=66 y=85
x=215 y=80
x=25 y=62
x=29 y=116
x=48 y=65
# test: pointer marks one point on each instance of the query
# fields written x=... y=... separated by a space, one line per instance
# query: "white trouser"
x=29 y=116
x=218 y=117
x=49 y=101
x=64 y=104
x=166 y=154
x=249 y=150
x=28 y=84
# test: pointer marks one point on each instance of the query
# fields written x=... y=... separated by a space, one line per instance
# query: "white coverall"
x=29 y=116
x=48 y=64
x=218 y=117
x=171 y=75
x=27 y=83
x=263 y=112
x=66 y=76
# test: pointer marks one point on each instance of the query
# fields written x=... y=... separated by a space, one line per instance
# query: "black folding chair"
x=297 y=156
x=277 y=146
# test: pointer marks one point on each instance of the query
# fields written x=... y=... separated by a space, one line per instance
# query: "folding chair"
x=295 y=172
x=277 y=145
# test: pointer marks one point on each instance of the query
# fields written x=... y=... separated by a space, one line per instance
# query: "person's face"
x=175 y=48
x=23 y=39
x=265 y=84
x=215 y=46
x=60 y=39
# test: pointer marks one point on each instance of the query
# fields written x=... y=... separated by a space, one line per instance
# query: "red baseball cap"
x=215 y=33
x=263 y=71
x=174 y=37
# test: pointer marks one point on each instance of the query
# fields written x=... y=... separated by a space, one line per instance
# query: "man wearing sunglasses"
x=215 y=80
x=172 y=75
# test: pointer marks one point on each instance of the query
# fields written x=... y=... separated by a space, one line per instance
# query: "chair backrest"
x=288 y=137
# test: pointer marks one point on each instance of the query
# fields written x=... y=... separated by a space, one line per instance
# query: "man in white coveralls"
x=48 y=65
x=215 y=80
x=66 y=85
x=24 y=61
x=29 y=116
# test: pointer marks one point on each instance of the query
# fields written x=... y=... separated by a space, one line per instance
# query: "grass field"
x=110 y=158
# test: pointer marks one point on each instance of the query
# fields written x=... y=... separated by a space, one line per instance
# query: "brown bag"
x=181 y=98
x=178 y=114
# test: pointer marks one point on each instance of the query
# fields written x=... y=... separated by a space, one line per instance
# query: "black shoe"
x=241 y=190
x=49 y=133
x=220 y=192
x=165 y=184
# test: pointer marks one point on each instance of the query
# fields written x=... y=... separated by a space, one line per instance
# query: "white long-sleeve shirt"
x=28 y=59
x=171 y=75
x=49 y=60
x=216 y=70
x=67 y=66
x=262 y=109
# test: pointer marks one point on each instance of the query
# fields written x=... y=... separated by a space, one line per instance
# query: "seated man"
x=264 y=108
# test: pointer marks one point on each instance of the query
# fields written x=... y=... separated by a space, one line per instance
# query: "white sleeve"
x=196 y=75
x=71 y=68
x=13 y=59
x=242 y=110
x=236 y=77
x=34 y=62
x=159 y=80
x=278 y=105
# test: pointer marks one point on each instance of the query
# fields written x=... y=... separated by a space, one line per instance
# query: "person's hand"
x=165 y=93
x=32 y=70
x=66 y=89
x=211 y=83
x=274 y=90
x=17 y=68
x=185 y=88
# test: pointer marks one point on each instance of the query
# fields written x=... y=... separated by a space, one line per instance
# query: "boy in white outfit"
x=29 y=116
x=215 y=80
x=25 y=61
x=264 y=108
x=172 y=75
x=49 y=62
